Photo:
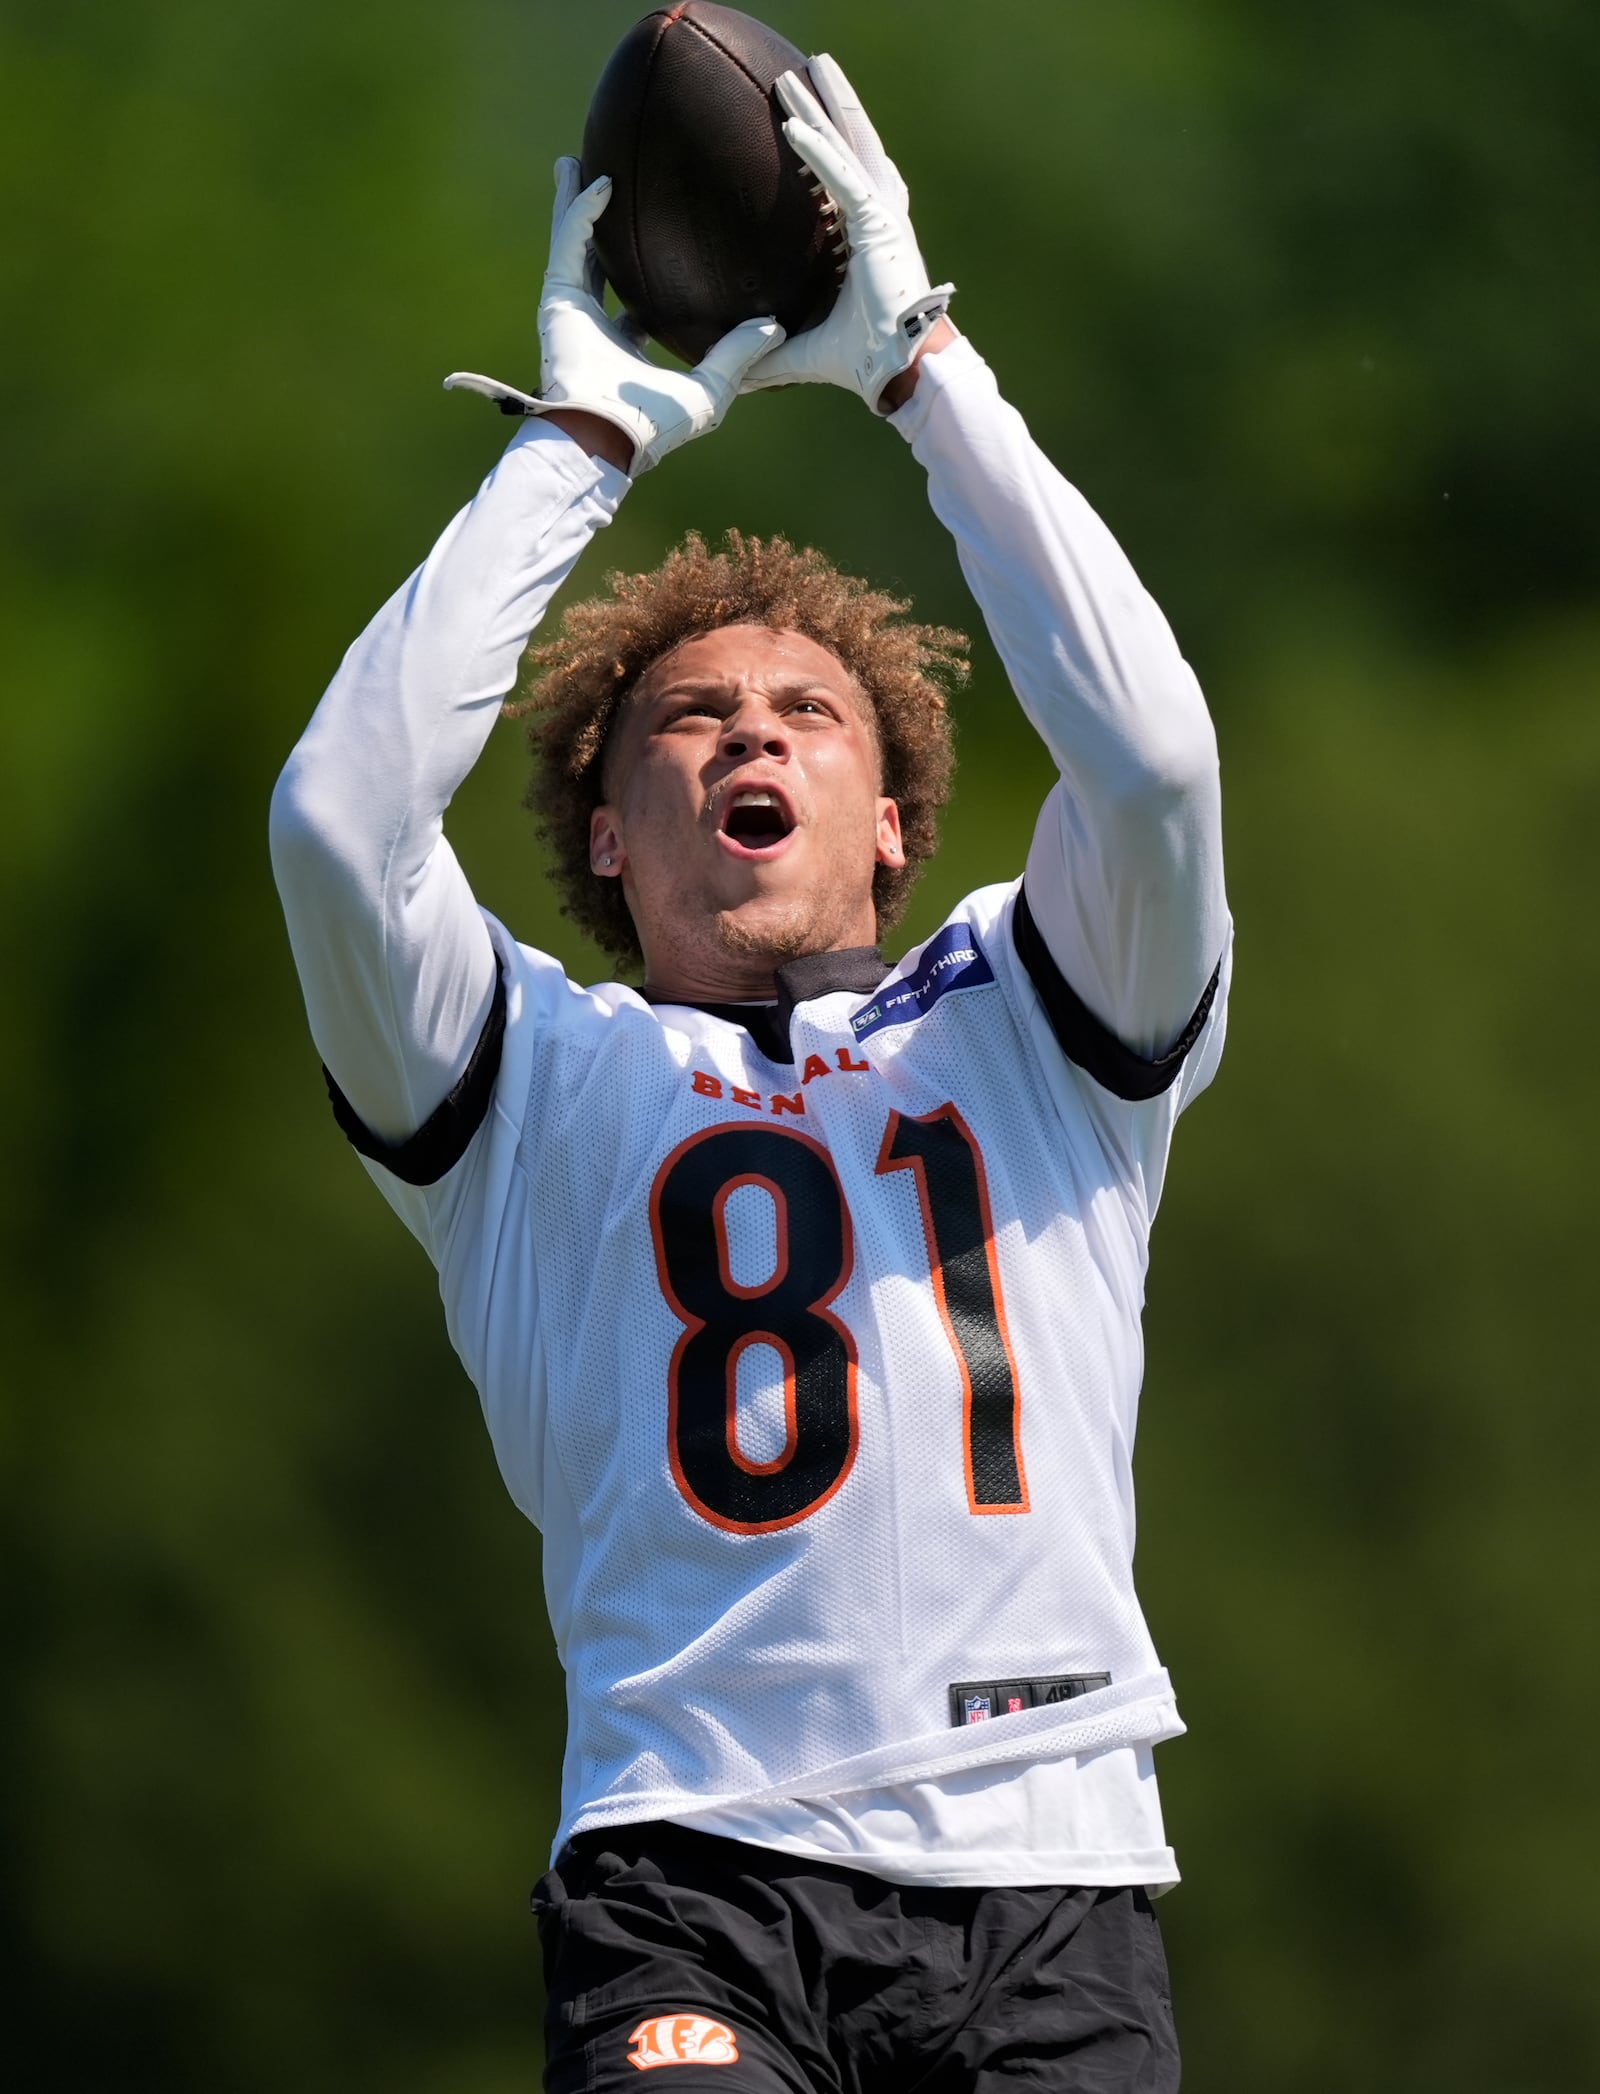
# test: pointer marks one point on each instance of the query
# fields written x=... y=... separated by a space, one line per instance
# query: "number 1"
x=939 y=1150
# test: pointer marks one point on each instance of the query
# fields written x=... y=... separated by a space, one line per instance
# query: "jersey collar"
x=856 y=971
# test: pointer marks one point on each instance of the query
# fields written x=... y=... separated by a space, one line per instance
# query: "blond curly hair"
x=580 y=679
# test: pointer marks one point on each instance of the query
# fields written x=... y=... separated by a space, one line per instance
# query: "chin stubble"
x=787 y=932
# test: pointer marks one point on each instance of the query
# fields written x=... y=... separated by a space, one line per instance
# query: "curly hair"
x=580 y=679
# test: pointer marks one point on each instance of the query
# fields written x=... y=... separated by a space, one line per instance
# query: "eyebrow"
x=790 y=686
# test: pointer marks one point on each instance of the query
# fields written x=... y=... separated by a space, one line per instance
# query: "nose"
x=753 y=730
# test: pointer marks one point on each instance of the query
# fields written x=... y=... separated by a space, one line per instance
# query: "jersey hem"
x=1145 y=1717
x=990 y=1869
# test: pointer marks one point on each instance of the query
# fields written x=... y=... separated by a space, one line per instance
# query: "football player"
x=802 y=1290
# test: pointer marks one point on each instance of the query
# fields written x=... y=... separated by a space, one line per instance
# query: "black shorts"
x=744 y=1968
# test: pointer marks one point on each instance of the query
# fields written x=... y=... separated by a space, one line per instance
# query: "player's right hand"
x=886 y=305
x=589 y=363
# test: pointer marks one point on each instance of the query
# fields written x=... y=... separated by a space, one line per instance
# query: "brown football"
x=712 y=219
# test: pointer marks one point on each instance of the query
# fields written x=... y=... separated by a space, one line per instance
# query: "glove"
x=590 y=362
x=885 y=304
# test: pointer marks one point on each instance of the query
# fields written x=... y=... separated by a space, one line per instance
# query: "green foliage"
x=1299 y=297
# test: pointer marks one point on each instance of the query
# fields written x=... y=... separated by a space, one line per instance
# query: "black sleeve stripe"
x=441 y=1141
x=1083 y=1039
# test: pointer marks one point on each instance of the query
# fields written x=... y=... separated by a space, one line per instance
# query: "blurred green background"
x=1304 y=299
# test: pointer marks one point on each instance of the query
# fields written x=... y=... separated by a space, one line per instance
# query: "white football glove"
x=885 y=304
x=590 y=362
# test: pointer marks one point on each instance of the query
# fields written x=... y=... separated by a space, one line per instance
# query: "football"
x=712 y=218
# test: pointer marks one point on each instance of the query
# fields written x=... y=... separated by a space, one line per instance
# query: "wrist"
x=600 y=438
x=900 y=388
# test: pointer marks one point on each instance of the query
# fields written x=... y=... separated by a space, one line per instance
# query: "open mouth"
x=756 y=819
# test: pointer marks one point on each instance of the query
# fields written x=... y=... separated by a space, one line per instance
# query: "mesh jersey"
x=819 y=1377
x=780 y=1445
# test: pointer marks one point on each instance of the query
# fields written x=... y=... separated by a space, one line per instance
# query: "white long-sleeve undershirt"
x=392 y=951
x=1125 y=871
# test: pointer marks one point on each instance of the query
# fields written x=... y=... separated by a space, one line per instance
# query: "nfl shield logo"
x=979 y=1707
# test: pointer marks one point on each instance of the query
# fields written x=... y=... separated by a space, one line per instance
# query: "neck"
x=752 y=980
x=780 y=978
x=731 y=962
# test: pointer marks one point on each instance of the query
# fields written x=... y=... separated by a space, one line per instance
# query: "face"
x=742 y=811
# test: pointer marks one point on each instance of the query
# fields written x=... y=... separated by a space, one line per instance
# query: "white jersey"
x=819 y=1373
x=809 y=1334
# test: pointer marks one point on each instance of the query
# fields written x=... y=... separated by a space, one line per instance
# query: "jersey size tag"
x=953 y=960
x=976 y=1701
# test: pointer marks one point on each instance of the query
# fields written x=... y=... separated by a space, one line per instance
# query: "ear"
x=606 y=855
x=891 y=850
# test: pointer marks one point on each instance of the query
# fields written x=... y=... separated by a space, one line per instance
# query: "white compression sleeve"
x=393 y=955
x=1125 y=873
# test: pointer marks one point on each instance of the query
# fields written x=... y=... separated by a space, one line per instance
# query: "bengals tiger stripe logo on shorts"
x=682 y=2039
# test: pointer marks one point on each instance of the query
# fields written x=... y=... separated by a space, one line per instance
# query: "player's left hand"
x=886 y=305
x=591 y=365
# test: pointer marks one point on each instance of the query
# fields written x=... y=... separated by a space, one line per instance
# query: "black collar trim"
x=856 y=971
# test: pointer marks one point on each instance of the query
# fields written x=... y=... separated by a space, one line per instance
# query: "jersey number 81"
x=791 y=1312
